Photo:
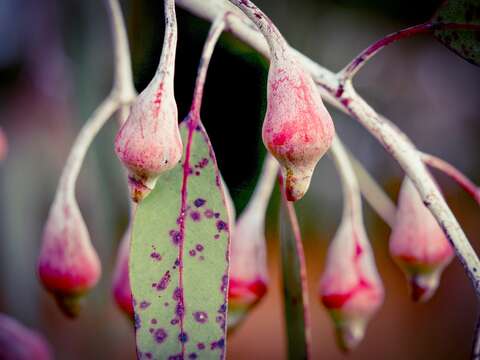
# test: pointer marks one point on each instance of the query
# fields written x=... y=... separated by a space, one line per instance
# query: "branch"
x=393 y=140
x=349 y=71
x=469 y=186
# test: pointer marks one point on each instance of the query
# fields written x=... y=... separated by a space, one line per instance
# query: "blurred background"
x=56 y=67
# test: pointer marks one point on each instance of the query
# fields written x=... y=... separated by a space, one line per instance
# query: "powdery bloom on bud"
x=3 y=145
x=418 y=244
x=248 y=264
x=350 y=287
x=17 y=342
x=298 y=129
x=68 y=265
x=149 y=141
x=121 y=290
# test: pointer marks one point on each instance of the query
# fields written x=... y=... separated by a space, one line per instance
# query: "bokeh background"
x=56 y=66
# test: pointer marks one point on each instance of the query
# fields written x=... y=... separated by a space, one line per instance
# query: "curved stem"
x=214 y=34
x=123 y=78
x=166 y=66
x=83 y=141
x=373 y=192
x=448 y=169
x=348 y=72
x=352 y=203
x=275 y=40
x=264 y=188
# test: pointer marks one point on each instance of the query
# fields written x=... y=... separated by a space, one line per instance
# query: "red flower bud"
x=418 y=244
x=248 y=263
x=298 y=129
x=20 y=343
x=68 y=265
x=149 y=141
x=122 y=293
x=350 y=287
x=3 y=145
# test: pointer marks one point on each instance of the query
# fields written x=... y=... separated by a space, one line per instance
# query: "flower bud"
x=350 y=287
x=3 y=145
x=68 y=265
x=17 y=342
x=149 y=141
x=248 y=263
x=418 y=244
x=122 y=292
x=298 y=129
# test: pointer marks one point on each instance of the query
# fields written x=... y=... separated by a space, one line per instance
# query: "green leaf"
x=465 y=43
x=179 y=258
x=294 y=284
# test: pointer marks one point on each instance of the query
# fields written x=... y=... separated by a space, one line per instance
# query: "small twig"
x=166 y=65
x=448 y=169
x=123 y=78
x=348 y=72
x=373 y=192
x=214 y=34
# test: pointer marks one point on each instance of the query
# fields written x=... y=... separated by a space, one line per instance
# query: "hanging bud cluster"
x=20 y=343
x=149 y=142
x=248 y=263
x=418 y=244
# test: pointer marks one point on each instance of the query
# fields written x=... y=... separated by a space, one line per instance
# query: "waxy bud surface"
x=298 y=129
x=350 y=287
x=68 y=265
x=418 y=244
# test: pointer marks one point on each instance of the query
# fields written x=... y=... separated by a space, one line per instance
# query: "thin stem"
x=448 y=169
x=373 y=192
x=166 y=66
x=83 y=141
x=300 y=254
x=265 y=184
x=361 y=59
x=476 y=342
x=123 y=78
x=352 y=206
x=214 y=34
x=275 y=40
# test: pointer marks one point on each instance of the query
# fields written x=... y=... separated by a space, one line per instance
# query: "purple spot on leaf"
x=199 y=202
x=183 y=337
x=160 y=335
x=156 y=256
x=199 y=247
x=222 y=225
x=208 y=213
x=192 y=252
x=195 y=215
x=200 y=316
x=153 y=321
x=176 y=236
x=200 y=346
x=164 y=281
x=144 y=304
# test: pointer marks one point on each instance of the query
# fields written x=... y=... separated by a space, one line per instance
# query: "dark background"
x=56 y=66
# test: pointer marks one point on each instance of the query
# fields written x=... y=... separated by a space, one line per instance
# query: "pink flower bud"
x=20 y=343
x=149 y=141
x=3 y=145
x=350 y=287
x=418 y=244
x=248 y=268
x=68 y=265
x=298 y=129
x=248 y=262
x=122 y=293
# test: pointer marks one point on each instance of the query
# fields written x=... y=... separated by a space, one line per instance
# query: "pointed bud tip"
x=423 y=287
x=297 y=183
x=350 y=335
x=139 y=187
x=71 y=305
